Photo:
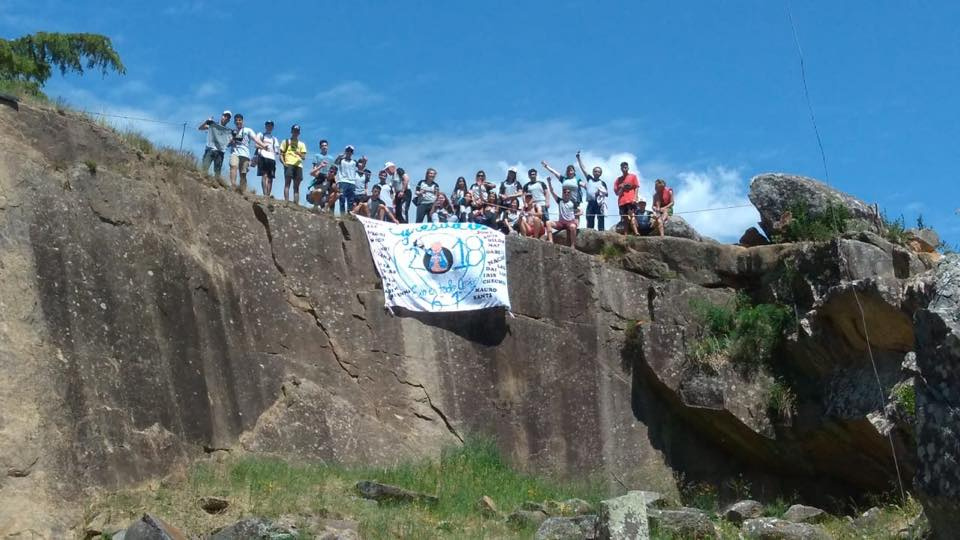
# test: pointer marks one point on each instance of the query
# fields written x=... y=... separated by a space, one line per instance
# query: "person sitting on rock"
x=441 y=211
x=375 y=207
x=662 y=203
x=324 y=192
x=568 y=214
x=644 y=218
x=531 y=218
x=510 y=217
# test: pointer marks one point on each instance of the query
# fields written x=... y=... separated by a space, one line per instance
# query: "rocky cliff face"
x=147 y=316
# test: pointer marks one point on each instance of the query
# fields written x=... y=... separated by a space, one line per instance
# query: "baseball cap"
x=641 y=200
x=389 y=164
x=349 y=147
x=512 y=169
x=268 y=123
x=227 y=113
x=295 y=127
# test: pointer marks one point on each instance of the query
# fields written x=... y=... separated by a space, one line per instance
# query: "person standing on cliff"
x=538 y=193
x=400 y=180
x=267 y=150
x=218 y=137
x=626 y=188
x=240 y=153
x=349 y=178
x=293 y=152
x=596 y=195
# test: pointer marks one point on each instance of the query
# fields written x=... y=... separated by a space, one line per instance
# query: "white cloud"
x=207 y=89
x=715 y=202
x=349 y=95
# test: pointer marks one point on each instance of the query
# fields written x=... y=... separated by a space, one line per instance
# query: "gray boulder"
x=799 y=513
x=678 y=227
x=780 y=529
x=385 y=492
x=741 y=511
x=624 y=517
x=254 y=529
x=923 y=240
x=937 y=387
x=682 y=523
x=150 y=527
x=567 y=528
x=752 y=237
x=774 y=193
x=527 y=518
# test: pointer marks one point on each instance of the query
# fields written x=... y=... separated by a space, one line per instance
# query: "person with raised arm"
x=596 y=191
x=569 y=180
x=626 y=188
x=568 y=214
x=218 y=137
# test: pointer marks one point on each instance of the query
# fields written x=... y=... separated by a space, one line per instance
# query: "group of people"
x=510 y=206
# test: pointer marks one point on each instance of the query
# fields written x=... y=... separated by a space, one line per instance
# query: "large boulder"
x=774 y=193
x=624 y=517
x=150 y=527
x=741 y=511
x=938 y=401
x=800 y=513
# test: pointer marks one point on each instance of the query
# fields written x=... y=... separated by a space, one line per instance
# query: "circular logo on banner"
x=437 y=259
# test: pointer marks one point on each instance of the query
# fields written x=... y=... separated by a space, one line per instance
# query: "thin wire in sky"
x=806 y=91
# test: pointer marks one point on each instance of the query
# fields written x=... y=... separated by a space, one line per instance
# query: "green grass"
x=805 y=226
x=612 y=251
x=137 y=140
x=265 y=487
x=781 y=400
x=739 y=331
x=905 y=396
x=23 y=90
x=894 y=230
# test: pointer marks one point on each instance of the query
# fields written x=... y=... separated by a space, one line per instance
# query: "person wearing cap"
x=400 y=181
x=293 y=152
x=644 y=218
x=266 y=158
x=218 y=137
x=510 y=189
x=349 y=178
x=240 y=153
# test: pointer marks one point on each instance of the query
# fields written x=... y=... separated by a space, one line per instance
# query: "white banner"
x=439 y=266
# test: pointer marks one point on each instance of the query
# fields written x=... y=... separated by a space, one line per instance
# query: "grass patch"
x=781 y=401
x=905 y=395
x=806 y=226
x=894 y=230
x=178 y=159
x=739 y=331
x=25 y=91
x=137 y=141
x=612 y=251
x=91 y=166
x=270 y=488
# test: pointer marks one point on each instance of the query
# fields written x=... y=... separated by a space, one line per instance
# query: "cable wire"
x=806 y=91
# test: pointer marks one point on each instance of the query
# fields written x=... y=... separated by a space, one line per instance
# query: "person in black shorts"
x=267 y=149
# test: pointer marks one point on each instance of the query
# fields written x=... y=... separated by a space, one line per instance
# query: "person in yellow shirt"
x=293 y=151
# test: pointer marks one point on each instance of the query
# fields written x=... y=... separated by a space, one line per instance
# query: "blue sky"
x=703 y=93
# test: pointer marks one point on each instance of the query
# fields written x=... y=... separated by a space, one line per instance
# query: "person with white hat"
x=644 y=218
x=218 y=137
x=400 y=181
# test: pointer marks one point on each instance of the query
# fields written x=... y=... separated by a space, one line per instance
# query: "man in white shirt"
x=240 y=153
x=267 y=149
x=348 y=180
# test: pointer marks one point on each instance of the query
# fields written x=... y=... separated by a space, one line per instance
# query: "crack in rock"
x=436 y=409
x=261 y=216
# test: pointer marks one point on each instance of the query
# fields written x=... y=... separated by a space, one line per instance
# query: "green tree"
x=28 y=62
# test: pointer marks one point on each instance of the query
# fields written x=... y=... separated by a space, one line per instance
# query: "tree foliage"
x=31 y=59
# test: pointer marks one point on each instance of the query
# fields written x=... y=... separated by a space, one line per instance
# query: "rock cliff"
x=148 y=316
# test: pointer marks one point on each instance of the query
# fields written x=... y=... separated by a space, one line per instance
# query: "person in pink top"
x=626 y=188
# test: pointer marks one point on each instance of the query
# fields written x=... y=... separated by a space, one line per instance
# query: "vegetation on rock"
x=741 y=331
x=27 y=62
x=804 y=225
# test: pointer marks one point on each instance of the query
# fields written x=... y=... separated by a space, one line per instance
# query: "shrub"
x=894 y=230
x=781 y=400
x=743 y=332
x=804 y=226
x=612 y=251
x=91 y=166
x=905 y=396
x=137 y=141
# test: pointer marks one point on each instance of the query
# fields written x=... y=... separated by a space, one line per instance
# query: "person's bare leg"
x=549 y=229
x=572 y=235
x=286 y=189
x=233 y=176
x=660 y=224
x=633 y=225
x=296 y=191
